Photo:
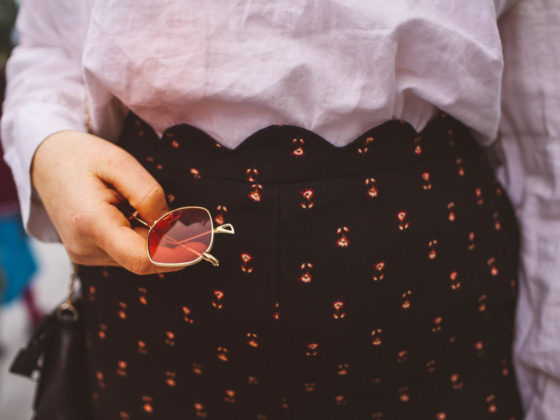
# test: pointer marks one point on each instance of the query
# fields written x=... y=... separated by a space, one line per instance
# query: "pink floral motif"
x=432 y=253
x=220 y=218
x=218 y=299
x=427 y=184
x=298 y=150
x=338 y=310
x=307 y=195
x=245 y=260
x=402 y=220
x=379 y=273
x=255 y=192
x=305 y=276
x=363 y=149
x=372 y=190
x=195 y=173
x=376 y=337
x=417 y=147
x=252 y=174
x=342 y=241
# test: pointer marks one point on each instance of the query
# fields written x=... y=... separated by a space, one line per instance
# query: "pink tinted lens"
x=181 y=236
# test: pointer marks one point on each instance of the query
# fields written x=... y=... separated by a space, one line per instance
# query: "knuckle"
x=77 y=219
x=153 y=194
x=81 y=222
x=116 y=157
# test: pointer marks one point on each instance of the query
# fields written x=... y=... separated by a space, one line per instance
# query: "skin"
x=80 y=179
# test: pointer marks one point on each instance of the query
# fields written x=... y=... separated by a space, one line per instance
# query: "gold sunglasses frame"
x=225 y=228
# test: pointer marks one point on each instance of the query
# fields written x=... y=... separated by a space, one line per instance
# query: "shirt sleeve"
x=530 y=141
x=45 y=94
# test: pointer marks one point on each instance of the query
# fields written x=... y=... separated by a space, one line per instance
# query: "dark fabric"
x=8 y=194
x=8 y=12
x=374 y=281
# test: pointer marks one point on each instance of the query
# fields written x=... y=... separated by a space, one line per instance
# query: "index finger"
x=134 y=182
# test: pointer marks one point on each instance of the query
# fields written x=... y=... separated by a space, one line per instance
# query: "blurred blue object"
x=16 y=260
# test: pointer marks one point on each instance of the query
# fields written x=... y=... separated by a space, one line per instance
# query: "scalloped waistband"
x=284 y=153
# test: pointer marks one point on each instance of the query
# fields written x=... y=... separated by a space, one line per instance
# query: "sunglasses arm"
x=135 y=217
x=227 y=228
x=211 y=259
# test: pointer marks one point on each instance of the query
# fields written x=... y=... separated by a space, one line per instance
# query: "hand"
x=81 y=179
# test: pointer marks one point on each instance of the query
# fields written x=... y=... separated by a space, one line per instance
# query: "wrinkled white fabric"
x=530 y=139
x=231 y=67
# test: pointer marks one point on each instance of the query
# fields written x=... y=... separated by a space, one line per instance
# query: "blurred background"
x=33 y=276
x=49 y=284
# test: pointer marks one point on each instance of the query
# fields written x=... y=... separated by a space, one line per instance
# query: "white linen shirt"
x=336 y=67
x=530 y=138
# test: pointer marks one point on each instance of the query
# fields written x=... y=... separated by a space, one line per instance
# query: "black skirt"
x=373 y=281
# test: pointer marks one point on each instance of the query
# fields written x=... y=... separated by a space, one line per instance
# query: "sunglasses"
x=182 y=237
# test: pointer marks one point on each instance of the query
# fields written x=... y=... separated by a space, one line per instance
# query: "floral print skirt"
x=372 y=281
